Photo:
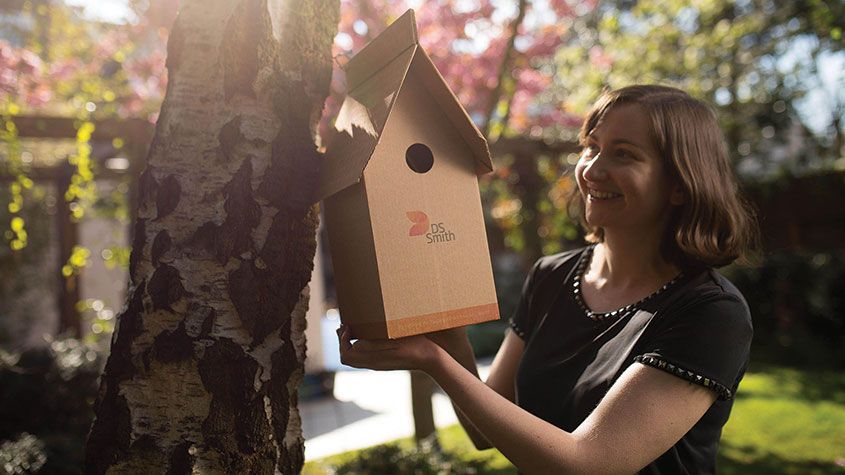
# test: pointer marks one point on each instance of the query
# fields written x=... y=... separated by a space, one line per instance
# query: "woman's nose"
x=594 y=169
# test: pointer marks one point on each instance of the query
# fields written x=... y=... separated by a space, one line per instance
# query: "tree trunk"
x=208 y=351
x=505 y=73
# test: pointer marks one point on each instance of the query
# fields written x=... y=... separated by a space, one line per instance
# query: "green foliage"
x=527 y=199
x=788 y=421
x=784 y=421
x=46 y=404
x=392 y=459
x=100 y=318
x=755 y=60
x=82 y=190
x=66 y=65
x=797 y=301
x=12 y=166
x=486 y=338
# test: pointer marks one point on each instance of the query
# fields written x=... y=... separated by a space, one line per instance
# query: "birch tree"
x=208 y=350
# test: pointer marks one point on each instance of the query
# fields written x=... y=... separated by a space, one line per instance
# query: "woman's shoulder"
x=554 y=261
x=561 y=261
x=710 y=283
x=707 y=289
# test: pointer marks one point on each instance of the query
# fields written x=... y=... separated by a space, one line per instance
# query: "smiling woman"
x=625 y=355
x=666 y=128
x=621 y=176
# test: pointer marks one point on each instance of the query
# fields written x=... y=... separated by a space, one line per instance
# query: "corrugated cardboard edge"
x=381 y=50
x=389 y=45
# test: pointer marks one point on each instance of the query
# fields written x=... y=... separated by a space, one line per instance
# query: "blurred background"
x=81 y=83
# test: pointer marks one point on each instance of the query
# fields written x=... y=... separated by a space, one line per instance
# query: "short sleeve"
x=521 y=322
x=706 y=342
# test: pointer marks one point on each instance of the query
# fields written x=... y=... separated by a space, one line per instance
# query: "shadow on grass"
x=822 y=386
x=321 y=416
x=747 y=460
x=808 y=385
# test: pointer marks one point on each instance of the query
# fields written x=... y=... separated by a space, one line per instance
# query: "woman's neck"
x=626 y=260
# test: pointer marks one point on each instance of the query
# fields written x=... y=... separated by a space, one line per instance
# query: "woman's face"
x=621 y=176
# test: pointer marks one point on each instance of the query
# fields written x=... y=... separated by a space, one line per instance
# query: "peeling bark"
x=208 y=352
x=505 y=73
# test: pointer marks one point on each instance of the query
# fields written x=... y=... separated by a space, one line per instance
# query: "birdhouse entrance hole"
x=419 y=158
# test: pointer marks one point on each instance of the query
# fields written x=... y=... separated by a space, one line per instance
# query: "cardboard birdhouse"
x=401 y=200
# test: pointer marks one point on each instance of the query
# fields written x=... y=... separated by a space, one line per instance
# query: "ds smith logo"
x=434 y=233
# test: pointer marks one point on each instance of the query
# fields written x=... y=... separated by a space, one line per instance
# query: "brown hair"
x=715 y=226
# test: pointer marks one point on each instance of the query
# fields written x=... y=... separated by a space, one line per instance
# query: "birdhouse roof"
x=374 y=78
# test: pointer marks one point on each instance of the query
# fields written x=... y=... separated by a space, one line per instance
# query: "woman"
x=622 y=356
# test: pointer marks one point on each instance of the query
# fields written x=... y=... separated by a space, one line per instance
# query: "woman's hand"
x=413 y=353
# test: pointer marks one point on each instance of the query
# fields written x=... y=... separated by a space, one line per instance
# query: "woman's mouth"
x=602 y=195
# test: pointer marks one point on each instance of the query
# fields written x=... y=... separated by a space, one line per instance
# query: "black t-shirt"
x=699 y=329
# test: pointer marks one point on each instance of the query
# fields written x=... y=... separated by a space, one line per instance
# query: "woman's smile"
x=621 y=174
x=602 y=195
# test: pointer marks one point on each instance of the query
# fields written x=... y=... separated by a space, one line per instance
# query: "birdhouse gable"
x=423 y=68
x=375 y=77
x=382 y=50
x=419 y=153
x=359 y=126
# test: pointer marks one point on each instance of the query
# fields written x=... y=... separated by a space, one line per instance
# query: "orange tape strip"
x=442 y=320
x=426 y=323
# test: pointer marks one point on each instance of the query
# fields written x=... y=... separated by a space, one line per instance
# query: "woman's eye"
x=624 y=154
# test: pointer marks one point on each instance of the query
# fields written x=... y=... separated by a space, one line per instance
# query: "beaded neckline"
x=629 y=309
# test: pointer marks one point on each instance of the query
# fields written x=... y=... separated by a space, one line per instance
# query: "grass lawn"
x=784 y=421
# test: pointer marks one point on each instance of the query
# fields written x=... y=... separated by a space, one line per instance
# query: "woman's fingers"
x=374 y=345
x=365 y=353
x=345 y=341
x=344 y=338
x=405 y=353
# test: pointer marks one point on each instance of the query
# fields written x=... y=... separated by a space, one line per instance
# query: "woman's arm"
x=500 y=379
x=643 y=414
